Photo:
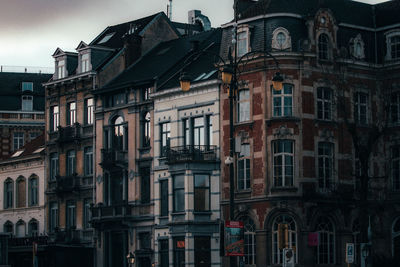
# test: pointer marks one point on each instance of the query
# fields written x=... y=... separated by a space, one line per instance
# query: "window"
x=119 y=138
x=61 y=69
x=291 y=240
x=396 y=168
x=146 y=94
x=323 y=46
x=202 y=253
x=106 y=38
x=242 y=43
x=324 y=103
x=249 y=241
x=33 y=228
x=201 y=192
x=53 y=222
x=85 y=63
x=27 y=86
x=114 y=187
x=243 y=163
x=165 y=135
x=163 y=252
x=21 y=192
x=71 y=162
x=89 y=110
x=8 y=193
x=179 y=193
x=395 y=108
x=27 y=103
x=18 y=140
x=326 y=247
x=88 y=160
x=146 y=129
x=87 y=215
x=394 y=46
x=361 y=108
x=145 y=240
x=179 y=252
x=281 y=39
x=33 y=191
x=71 y=113
x=9 y=227
x=164 y=198
x=243 y=105
x=197 y=131
x=145 y=185
x=325 y=165
x=20 y=229
x=282 y=101
x=396 y=240
x=53 y=166
x=283 y=163
x=54 y=118
x=70 y=219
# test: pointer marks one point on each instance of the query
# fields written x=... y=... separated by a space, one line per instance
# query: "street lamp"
x=131 y=259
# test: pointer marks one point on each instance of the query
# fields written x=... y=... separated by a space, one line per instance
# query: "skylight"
x=16 y=154
x=40 y=149
x=106 y=38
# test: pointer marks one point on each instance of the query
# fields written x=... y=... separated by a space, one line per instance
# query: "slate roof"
x=343 y=10
x=10 y=90
x=28 y=149
x=164 y=62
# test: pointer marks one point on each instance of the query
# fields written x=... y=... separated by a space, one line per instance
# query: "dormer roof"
x=82 y=45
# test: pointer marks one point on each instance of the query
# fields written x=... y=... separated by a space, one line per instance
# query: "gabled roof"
x=163 y=63
x=82 y=45
x=112 y=36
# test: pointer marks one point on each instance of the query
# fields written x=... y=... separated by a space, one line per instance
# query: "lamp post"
x=131 y=259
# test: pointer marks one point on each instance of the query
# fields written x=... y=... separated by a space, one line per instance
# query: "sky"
x=31 y=30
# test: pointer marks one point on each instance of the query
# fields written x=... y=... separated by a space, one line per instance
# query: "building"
x=320 y=156
x=70 y=130
x=128 y=214
x=22 y=205
x=22 y=109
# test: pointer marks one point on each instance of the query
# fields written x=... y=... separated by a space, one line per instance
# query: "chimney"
x=169 y=9
x=196 y=18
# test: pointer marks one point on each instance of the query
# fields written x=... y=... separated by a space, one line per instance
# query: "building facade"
x=22 y=109
x=320 y=155
x=22 y=206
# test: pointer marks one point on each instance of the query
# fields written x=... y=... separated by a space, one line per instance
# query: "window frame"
x=61 y=69
x=178 y=199
x=179 y=253
x=326 y=177
x=395 y=167
x=33 y=191
x=279 y=111
x=165 y=135
x=395 y=108
x=202 y=253
x=203 y=191
x=85 y=62
x=8 y=186
x=390 y=53
x=22 y=203
x=25 y=87
x=250 y=248
x=70 y=165
x=243 y=37
x=146 y=129
x=30 y=231
x=275 y=42
x=277 y=254
x=70 y=214
x=53 y=215
x=358 y=107
x=87 y=213
x=324 y=46
x=243 y=104
x=71 y=113
x=246 y=158
x=164 y=197
x=324 y=104
x=54 y=166
x=145 y=187
x=54 y=118
x=282 y=167
x=88 y=160
x=89 y=111
x=26 y=102
x=331 y=240
x=18 y=140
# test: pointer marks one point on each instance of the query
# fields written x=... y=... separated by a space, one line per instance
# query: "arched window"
x=33 y=228
x=249 y=241
x=8 y=193
x=277 y=255
x=146 y=129
x=21 y=192
x=8 y=227
x=20 y=229
x=326 y=247
x=119 y=135
x=323 y=46
x=33 y=191
x=396 y=240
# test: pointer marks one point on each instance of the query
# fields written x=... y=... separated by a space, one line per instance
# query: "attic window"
x=16 y=154
x=27 y=86
x=40 y=149
x=106 y=38
x=281 y=39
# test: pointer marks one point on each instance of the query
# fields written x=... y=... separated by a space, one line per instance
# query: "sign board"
x=350 y=252
x=234 y=238
x=313 y=239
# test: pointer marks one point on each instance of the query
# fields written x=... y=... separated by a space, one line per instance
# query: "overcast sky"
x=31 y=30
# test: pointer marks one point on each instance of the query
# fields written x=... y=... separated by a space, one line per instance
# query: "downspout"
x=94 y=167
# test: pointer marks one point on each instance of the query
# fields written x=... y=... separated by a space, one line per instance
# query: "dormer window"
x=243 y=41
x=27 y=102
x=85 y=63
x=281 y=39
x=393 y=45
x=61 y=69
x=106 y=38
x=27 y=86
x=323 y=46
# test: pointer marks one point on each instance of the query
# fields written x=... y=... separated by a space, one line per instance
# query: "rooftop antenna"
x=169 y=9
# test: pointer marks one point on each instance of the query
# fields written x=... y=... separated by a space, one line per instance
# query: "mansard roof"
x=163 y=63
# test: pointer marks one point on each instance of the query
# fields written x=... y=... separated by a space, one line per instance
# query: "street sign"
x=234 y=238
x=350 y=252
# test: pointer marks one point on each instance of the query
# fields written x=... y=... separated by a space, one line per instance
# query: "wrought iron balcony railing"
x=191 y=154
x=111 y=158
x=69 y=133
x=69 y=183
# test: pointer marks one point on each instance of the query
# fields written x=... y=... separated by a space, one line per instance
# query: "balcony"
x=67 y=184
x=116 y=212
x=69 y=133
x=111 y=158
x=181 y=154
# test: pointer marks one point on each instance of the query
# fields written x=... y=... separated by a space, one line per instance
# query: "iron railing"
x=191 y=153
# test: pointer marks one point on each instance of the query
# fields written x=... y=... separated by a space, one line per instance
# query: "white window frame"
x=27 y=103
x=55 y=118
x=61 y=69
x=243 y=40
x=283 y=155
x=276 y=42
x=72 y=113
x=249 y=241
x=245 y=157
x=89 y=110
x=280 y=97
x=324 y=104
x=18 y=140
x=85 y=62
x=389 y=36
x=243 y=105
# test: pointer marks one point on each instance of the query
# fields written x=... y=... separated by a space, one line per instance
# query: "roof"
x=32 y=148
x=11 y=92
x=343 y=10
x=165 y=61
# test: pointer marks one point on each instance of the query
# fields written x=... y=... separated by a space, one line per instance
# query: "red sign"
x=180 y=244
x=234 y=238
x=313 y=239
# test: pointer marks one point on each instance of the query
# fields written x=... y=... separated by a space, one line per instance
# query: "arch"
x=249 y=240
x=114 y=116
x=324 y=46
x=292 y=229
x=8 y=227
x=20 y=228
x=327 y=242
x=8 y=192
x=146 y=129
x=282 y=211
x=33 y=227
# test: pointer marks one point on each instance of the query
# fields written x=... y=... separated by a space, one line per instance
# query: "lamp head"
x=131 y=258
x=185 y=82
x=277 y=82
x=226 y=75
